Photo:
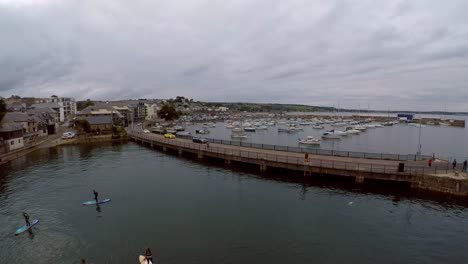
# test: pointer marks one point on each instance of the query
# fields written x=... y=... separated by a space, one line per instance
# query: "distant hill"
x=259 y=107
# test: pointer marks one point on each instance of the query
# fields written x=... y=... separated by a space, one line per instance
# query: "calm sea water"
x=446 y=142
x=190 y=212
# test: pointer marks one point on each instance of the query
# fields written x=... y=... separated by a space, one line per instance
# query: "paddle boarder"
x=26 y=218
x=95 y=195
x=148 y=255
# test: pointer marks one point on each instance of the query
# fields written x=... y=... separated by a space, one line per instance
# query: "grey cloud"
x=393 y=54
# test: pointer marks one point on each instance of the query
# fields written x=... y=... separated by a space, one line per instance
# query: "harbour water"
x=444 y=141
x=192 y=212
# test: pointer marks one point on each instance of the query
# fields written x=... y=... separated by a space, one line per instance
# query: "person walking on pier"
x=465 y=163
x=430 y=162
x=454 y=163
x=306 y=157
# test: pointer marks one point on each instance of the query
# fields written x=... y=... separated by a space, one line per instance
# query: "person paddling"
x=148 y=255
x=26 y=218
x=95 y=195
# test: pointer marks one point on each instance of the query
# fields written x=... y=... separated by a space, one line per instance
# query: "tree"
x=3 y=109
x=168 y=112
x=80 y=105
x=82 y=125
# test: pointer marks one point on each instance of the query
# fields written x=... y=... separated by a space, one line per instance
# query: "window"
x=12 y=142
x=19 y=140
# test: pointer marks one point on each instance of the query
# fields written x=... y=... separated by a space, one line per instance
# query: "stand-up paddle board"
x=143 y=260
x=25 y=227
x=94 y=202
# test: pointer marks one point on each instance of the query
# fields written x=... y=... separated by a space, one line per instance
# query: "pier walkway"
x=416 y=173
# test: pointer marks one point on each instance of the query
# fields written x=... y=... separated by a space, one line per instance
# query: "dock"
x=440 y=177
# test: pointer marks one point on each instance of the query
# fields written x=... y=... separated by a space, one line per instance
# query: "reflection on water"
x=192 y=212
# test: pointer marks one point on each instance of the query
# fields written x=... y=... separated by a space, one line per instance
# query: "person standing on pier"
x=306 y=157
x=430 y=162
x=454 y=163
x=465 y=163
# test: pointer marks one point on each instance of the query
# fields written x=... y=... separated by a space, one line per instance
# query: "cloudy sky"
x=386 y=54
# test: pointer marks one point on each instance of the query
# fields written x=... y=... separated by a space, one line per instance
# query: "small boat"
x=261 y=128
x=360 y=127
x=317 y=127
x=334 y=134
x=351 y=130
x=179 y=128
x=287 y=129
x=329 y=135
x=202 y=131
x=310 y=141
x=229 y=126
x=249 y=129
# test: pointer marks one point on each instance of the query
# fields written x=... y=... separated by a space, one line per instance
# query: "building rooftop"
x=99 y=120
x=12 y=117
x=8 y=127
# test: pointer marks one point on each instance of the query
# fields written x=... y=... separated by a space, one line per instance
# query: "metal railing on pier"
x=289 y=159
x=325 y=152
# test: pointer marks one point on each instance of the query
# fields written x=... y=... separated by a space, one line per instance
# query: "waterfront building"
x=151 y=111
x=100 y=123
x=46 y=120
x=11 y=137
x=68 y=104
x=102 y=110
x=56 y=106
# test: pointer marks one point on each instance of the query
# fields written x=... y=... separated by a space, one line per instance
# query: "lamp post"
x=418 y=154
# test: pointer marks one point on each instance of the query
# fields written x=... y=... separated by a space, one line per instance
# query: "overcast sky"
x=386 y=54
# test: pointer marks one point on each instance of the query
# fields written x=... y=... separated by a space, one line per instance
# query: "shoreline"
x=55 y=142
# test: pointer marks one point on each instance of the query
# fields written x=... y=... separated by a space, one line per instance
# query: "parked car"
x=146 y=131
x=68 y=135
x=170 y=136
x=199 y=140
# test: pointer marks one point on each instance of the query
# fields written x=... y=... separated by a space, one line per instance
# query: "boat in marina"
x=287 y=129
x=317 y=126
x=249 y=129
x=351 y=130
x=202 y=131
x=360 y=127
x=334 y=134
x=261 y=128
x=310 y=141
x=330 y=135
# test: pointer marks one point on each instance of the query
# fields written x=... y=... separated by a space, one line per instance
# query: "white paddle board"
x=25 y=228
x=143 y=260
x=94 y=202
